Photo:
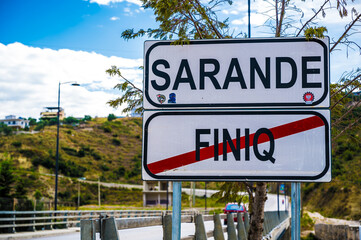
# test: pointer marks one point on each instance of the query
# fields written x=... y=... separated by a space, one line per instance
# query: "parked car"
x=233 y=208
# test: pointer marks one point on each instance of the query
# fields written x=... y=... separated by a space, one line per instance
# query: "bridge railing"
x=17 y=221
x=275 y=225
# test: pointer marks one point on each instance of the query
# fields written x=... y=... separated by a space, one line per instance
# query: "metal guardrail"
x=275 y=225
x=13 y=221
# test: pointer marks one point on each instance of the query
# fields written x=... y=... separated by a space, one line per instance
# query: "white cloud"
x=108 y=2
x=114 y=18
x=232 y=12
x=29 y=79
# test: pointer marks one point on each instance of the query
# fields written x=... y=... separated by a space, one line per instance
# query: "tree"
x=192 y=19
x=87 y=118
x=32 y=121
x=111 y=117
x=7 y=177
x=70 y=120
x=5 y=129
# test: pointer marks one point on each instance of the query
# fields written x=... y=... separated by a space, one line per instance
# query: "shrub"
x=16 y=144
x=104 y=167
x=111 y=117
x=307 y=222
x=70 y=151
x=116 y=142
x=120 y=171
x=95 y=155
x=107 y=129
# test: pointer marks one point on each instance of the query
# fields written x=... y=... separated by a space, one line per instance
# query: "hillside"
x=108 y=150
x=341 y=198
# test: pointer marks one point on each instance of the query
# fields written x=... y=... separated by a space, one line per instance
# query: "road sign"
x=282 y=188
x=237 y=145
x=253 y=73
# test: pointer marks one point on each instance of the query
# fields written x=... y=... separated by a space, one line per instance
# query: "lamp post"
x=57 y=146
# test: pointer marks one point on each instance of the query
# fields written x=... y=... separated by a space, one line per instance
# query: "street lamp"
x=57 y=145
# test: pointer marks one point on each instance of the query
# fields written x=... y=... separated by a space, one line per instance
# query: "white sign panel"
x=237 y=145
x=277 y=72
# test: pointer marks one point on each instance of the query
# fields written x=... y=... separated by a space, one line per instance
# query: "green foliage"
x=315 y=32
x=132 y=95
x=107 y=129
x=310 y=236
x=52 y=122
x=111 y=117
x=306 y=222
x=183 y=20
x=120 y=172
x=39 y=126
x=37 y=194
x=70 y=120
x=16 y=144
x=70 y=168
x=7 y=176
x=4 y=129
x=32 y=121
x=104 y=168
x=70 y=151
x=229 y=192
x=87 y=118
x=116 y=142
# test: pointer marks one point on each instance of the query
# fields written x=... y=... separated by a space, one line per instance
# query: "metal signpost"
x=237 y=110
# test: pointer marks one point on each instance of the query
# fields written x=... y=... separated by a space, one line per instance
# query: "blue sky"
x=43 y=42
x=73 y=24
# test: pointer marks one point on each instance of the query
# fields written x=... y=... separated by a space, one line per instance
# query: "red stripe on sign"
x=208 y=152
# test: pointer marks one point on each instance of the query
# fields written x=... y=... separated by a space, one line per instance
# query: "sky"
x=44 y=43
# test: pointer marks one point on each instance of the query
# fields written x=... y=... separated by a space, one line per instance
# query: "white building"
x=12 y=121
x=155 y=193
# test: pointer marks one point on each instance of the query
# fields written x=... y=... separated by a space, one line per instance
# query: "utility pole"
x=205 y=196
x=78 y=194
x=99 y=191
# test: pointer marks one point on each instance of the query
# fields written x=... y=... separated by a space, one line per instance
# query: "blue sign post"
x=177 y=208
x=296 y=211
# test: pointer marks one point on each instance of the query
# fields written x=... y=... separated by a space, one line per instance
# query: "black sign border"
x=228 y=41
x=238 y=178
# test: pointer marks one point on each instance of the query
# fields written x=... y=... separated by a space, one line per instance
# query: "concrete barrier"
x=108 y=226
x=167 y=227
x=200 y=229
x=231 y=231
x=218 y=229
x=335 y=232
x=125 y=223
x=241 y=230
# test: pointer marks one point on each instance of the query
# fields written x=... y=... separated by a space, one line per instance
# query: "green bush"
x=95 y=155
x=120 y=172
x=107 y=129
x=16 y=144
x=306 y=222
x=70 y=151
x=104 y=168
x=111 y=117
x=116 y=142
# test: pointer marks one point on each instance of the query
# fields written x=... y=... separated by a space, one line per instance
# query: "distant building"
x=14 y=122
x=155 y=193
x=52 y=112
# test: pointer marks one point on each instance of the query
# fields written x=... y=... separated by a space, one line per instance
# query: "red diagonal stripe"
x=208 y=152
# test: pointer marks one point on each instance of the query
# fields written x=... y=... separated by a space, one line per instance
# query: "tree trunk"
x=256 y=226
